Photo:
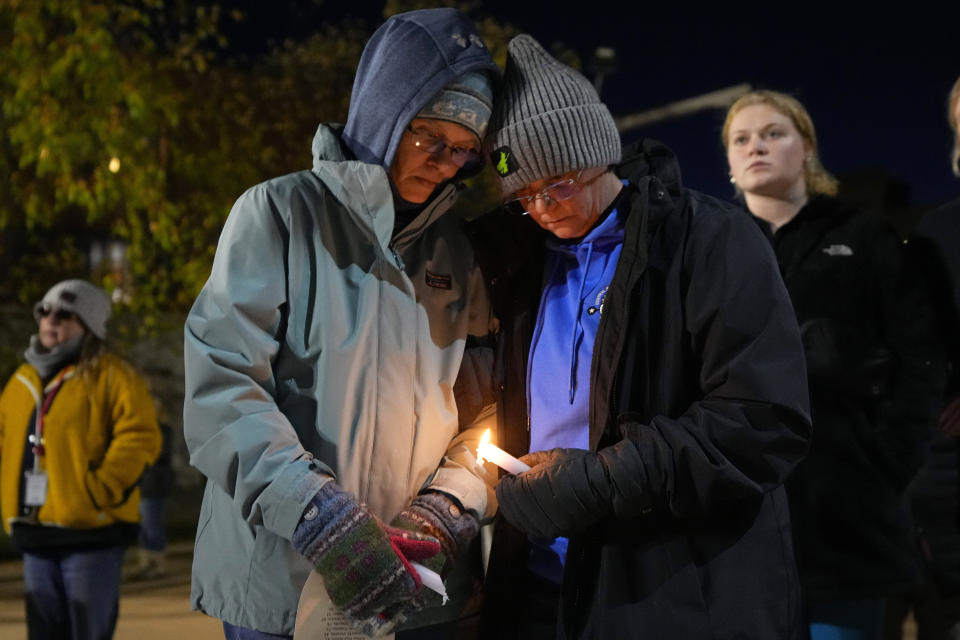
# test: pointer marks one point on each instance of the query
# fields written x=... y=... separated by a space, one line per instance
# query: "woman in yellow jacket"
x=77 y=429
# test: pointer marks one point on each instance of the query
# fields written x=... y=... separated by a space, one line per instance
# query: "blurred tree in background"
x=137 y=123
x=134 y=121
x=130 y=128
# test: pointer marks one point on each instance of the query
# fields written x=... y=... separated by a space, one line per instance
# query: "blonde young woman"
x=873 y=368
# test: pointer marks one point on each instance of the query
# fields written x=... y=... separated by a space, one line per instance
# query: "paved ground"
x=149 y=610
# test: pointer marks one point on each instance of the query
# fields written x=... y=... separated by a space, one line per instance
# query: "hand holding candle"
x=490 y=452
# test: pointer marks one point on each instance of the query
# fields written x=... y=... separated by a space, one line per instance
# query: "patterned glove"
x=365 y=566
x=564 y=492
x=438 y=516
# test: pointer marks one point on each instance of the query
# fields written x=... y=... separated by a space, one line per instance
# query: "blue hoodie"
x=576 y=277
x=404 y=65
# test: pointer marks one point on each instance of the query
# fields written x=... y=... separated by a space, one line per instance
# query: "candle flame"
x=484 y=441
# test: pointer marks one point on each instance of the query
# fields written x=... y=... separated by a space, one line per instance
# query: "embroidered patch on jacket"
x=838 y=250
x=438 y=281
x=503 y=161
x=598 y=302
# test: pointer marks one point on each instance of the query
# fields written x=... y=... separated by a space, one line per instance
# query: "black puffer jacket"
x=876 y=382
x=698 y=399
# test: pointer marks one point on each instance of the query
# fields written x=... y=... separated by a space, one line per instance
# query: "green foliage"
x=128 y=120
x=132 y=120
x=89 y=97
x=16 y=327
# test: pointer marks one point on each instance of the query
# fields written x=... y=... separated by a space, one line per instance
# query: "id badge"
x=36 y=489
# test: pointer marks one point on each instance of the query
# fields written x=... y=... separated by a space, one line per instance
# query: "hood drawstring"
x=577 y=326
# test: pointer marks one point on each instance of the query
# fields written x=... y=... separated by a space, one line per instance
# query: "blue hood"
x=406 y=62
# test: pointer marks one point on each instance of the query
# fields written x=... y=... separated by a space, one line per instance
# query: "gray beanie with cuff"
x=87 y=300
x=548 y=120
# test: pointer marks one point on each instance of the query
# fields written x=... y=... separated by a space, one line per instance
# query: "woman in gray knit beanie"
x=650 y=368
x=550 y=138
x=77 y=429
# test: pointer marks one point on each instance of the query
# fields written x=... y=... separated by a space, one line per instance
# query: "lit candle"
x=499 y=457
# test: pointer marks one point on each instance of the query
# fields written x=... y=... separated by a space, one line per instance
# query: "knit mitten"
x=365 y=566
x=439 y=516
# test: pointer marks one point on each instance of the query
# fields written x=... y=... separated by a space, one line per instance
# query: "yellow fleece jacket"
x=99 y=432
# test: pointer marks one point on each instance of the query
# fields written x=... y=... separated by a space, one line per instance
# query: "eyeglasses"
x=431 y=143
x=556 y=192
x=61 y=315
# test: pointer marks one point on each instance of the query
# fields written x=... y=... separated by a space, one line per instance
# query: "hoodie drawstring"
x=577 y=330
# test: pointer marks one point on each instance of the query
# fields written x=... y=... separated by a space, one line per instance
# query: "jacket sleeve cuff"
x=463 y=486
x=293 y=490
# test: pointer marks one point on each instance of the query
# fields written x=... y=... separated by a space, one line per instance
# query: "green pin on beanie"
x=502 y=161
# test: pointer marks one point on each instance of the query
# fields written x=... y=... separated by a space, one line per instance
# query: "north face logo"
x=838 y=250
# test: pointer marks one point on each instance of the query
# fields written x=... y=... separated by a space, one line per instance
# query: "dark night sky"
x=875 y=83
x=875 y=80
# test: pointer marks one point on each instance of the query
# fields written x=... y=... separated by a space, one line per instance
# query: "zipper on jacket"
x=398 y=259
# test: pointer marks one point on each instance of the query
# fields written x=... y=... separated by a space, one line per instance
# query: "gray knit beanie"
x=548 y=120
x=88 y=301
x=466 y=101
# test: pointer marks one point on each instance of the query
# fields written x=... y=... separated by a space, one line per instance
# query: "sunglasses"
x=61 y=315
x=431 y=143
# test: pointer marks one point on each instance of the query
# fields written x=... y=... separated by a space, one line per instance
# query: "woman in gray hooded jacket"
x=321 y=354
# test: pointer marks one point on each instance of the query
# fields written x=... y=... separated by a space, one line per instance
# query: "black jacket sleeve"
x=748 y=423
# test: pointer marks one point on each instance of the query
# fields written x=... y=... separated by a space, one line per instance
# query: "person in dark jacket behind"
x=874 y=364
x=155 y=485
x=649 y=344
x=935 y=243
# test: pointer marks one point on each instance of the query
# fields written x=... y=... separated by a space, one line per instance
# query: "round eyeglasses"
x=557 y=192
x=431 y=143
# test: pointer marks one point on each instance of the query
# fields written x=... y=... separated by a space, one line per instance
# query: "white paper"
x=318 y=619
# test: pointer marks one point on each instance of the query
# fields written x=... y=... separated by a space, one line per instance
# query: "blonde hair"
x=952 y=119
x=815 y=177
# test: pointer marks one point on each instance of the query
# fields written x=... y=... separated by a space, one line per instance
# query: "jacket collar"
x=364 y=190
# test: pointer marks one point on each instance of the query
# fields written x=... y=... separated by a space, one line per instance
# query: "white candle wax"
x=499 y=457
x=431 y=580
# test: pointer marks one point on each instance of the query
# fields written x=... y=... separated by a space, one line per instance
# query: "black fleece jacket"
x=876 y=370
